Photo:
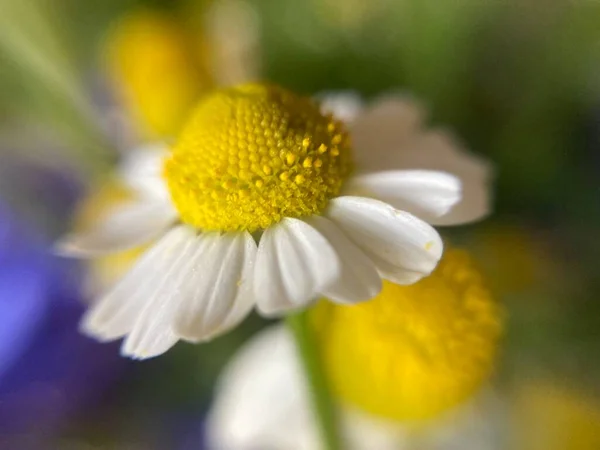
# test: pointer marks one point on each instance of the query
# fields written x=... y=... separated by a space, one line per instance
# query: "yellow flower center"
x=413 y=351
x=254 y=154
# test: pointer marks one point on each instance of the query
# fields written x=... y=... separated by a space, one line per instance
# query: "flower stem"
x=321 y=399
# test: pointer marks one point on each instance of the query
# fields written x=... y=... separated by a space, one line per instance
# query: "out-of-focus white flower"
x=267 y=201
x=262 y=402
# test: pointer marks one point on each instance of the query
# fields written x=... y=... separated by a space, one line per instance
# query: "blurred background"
x=517 y=81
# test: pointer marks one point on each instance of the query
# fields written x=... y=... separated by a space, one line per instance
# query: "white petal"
x=359 y=279
x=475 y=204
x=245 y=299
x=152 y=333
x=150 y=345
x=344 y=106
x=115 y=314
x=383 y=127
x=125 y=227
x=141 y=170
x=391 y=137
x=425 y=193
x=293 y=265
x=403 y=247
x=261 y=399
x=221 y=283
x=439 y=150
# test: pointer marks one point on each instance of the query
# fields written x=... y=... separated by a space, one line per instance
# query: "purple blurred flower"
x=48 y=371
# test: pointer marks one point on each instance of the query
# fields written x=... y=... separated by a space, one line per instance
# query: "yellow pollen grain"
x=290 y=158
x=231 y=167
x=413 y=352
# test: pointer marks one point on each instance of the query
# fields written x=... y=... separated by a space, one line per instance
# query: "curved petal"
x=425 y=193
x=141 y=170
x=261 y=402
x=390 y=135
x=152 y=333
x=476 y=204
x=218 y=289
x=359 y=279
x=127 y=226
x=294 y=264
x=403 y=247
x=149 y=345
x=245 y=299
x=439 y=150
x=115 y=314
x=261 y=398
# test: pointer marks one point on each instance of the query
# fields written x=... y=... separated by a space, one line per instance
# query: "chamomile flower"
x=407 y=369
x=262 y=202
x=262 y=401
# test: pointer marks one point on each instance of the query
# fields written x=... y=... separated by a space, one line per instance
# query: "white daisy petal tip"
x=140 y=306
x=90 y=328
x=94 y=326
x=359 y=279
x=140 y=352
x=403 y=247
x=295 y=263
x=127 y=226
x=223 y=295
x=426 y=194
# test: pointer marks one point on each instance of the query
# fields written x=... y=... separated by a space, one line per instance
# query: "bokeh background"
x=517 y=81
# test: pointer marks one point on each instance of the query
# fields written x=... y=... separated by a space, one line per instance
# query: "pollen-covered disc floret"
x=254 y=154
x=413 y=351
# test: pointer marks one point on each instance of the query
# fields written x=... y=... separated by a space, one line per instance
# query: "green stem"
x=321 y=399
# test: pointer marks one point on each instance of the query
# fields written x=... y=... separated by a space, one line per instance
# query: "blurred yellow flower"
x=156 y=69
x=413 y=351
